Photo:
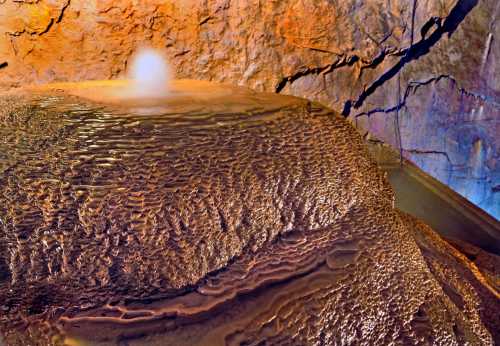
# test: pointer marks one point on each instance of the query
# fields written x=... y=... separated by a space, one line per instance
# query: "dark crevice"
x=181 y=53
x=421 y=48
x=51 y=22
x=307 y=71
x=346 y=61
x=49 y=25
x=413 y=86
x=434 y=21
x=347 y=108
x=66 y=5
x=413 y=14
x=4 y=64
x=376 y=61
x=435 y=152
x=205 y=20
x=380 y=58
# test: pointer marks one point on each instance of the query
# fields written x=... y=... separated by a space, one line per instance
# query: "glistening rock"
x=220 y=216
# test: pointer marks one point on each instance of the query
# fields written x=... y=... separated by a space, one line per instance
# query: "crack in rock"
x=49 y=24
x=315 y=70
x=425 y=152
x=413 y=86
x=345 y=61
x=417 y=50
x=63 y=9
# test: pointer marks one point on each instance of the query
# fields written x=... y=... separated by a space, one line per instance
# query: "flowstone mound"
x=216 y=216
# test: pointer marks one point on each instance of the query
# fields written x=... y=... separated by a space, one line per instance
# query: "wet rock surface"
x=463 y=271
x=239 y=219
x=364 y=59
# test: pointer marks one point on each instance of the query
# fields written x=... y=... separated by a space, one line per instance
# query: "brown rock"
x=463 y=272
x=235 y=218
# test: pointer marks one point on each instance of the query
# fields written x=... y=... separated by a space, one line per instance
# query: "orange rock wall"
x=267 y=45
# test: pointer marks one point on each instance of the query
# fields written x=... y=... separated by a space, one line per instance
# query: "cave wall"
x=354 y=56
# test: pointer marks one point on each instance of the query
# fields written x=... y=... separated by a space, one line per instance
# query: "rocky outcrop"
x=351 y=56
x=221 y=216
x=468 y=270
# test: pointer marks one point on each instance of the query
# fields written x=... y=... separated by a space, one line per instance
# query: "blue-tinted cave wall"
x=451 y=135
x=446 y=118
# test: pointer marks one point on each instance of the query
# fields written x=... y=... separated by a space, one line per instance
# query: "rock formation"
x=228 y=217
x=356 y=57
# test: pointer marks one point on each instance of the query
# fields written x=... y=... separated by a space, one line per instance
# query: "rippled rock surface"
x=220 y=216
x=429 y=66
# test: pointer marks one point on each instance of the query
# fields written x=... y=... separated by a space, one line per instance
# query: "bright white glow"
x=150 y=74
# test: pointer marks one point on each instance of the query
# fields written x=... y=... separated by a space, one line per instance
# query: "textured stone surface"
x=241 y=218
x=345 y=54
x=468 y=276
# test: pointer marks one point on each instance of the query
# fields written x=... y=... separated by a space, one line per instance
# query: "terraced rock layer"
x=232 y=217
